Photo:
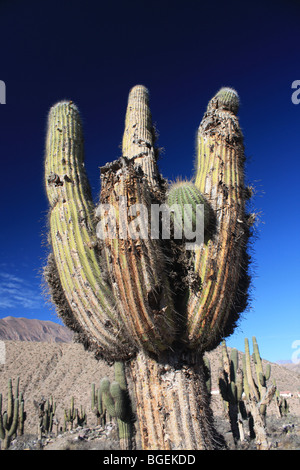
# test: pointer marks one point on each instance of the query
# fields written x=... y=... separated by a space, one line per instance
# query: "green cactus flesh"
x=227 y=98
x=183 y=199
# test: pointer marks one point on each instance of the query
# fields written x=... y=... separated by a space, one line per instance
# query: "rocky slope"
x=48 y=366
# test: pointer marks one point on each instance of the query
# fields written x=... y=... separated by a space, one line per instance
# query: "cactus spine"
x=130 y=298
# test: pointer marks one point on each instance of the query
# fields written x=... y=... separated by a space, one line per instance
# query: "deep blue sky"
x=183 y=51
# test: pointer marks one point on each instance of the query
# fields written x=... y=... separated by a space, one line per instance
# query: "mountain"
x=25 y=329
x=295 y=367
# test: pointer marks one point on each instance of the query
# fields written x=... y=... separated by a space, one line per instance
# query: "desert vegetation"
x=105 y=417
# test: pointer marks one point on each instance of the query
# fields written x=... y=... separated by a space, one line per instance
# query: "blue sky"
x=93 y=53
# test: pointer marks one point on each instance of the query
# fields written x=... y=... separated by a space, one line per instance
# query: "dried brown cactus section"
x=173 y=400
x=136 y=266
x=139 y=135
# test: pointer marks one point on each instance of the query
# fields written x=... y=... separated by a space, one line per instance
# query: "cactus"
x=115 y=402
x=47 y=410
x=231 y=390
x=258 y=388
x=70 y=416
x=258 y=395
x=262 y=377
x=50 y=409
x=112 y=400
x=96 y=405
x=282 y=406
x=81 y=418
x=207 y=370
x=22 y=415
x=147 y=300
x=184 y=197
x=12 y=420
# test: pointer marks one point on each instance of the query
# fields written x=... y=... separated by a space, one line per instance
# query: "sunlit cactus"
x=227 y=98
x=12 y=419
x=231 y=390
x=141 y=298
x=258 y=394
x=184 y=199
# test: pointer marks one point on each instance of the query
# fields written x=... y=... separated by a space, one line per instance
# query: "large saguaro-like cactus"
x=145 y=299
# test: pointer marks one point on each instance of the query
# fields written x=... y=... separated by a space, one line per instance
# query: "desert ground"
x=64 y=370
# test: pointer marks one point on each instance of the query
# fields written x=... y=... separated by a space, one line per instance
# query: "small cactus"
x=96 y=405
x=258 y=395
x=12 y=419
x=183 y=199
x=81 y=418
x=50 y=409
x=281 y=403
x=231 y=390
x=47 y=410
x=111 y=400
x=22 y=416
x=69 y=416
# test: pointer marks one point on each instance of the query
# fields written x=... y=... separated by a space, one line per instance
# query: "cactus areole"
x=144 y=298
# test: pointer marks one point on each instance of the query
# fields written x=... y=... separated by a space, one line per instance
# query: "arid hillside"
x=63 y=370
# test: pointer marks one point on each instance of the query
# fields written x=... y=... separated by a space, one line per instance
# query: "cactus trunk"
x=173 y=403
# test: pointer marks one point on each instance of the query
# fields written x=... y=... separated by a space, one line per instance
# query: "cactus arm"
x=262 y=377
x=71 y=224
x=93 y=398
x=22 y=415
x=221 y=261
x=10 y=403
x=139 y=135
x=13 y=428
x=253 y=391
x=2 y=429
x=137 y=268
